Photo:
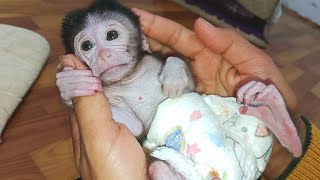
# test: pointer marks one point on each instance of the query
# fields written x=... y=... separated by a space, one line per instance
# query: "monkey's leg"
x=174 y=78
x=123 y=114
x=73 y=83
x=266 y=103
x=160 y=170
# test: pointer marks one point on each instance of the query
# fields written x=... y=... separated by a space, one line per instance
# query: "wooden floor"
x=36 y=142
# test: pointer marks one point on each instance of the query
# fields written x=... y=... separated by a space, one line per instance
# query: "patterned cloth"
x=205 y=137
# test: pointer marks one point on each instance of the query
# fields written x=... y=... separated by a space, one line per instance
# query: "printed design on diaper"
x=237 y=149
x=175 y=139
x=265 y=155
x=214 y=175
x=216 y=139
x=192 y=150
x=196 y=115
x=262 y=131
x=231 y=120
x=236 y=146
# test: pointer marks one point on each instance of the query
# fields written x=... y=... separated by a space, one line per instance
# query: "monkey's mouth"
x=113 y=69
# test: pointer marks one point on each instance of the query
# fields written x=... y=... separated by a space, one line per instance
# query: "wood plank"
x=56 y=161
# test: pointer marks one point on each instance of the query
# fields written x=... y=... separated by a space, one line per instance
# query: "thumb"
x=93 y=115
x=110 y=147
x=230 y=44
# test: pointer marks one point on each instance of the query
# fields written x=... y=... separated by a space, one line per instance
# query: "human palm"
x=221 y=60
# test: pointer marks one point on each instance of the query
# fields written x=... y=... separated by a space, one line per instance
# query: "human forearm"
x=106 y=149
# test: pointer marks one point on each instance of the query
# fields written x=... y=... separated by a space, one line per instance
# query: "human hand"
x=222 y=61
x=76 y=82
x=103 y=149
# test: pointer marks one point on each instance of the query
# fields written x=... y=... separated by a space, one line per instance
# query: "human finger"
x=74 y=73
x=176 y=36
x=71 y=60
x=75 y=135
x=245 y=57
x=81 y=86
x=109 y=147
x=156 y=46
x=228 y=43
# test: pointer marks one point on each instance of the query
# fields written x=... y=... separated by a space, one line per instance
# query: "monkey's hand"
x=173 y=77
x=266 y=103
x=74 y=83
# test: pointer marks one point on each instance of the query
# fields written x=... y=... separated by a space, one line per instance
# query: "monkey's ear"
x=145 y=45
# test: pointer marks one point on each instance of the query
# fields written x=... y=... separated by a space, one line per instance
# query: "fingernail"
x=205 y=22
x=137 y=11
x=60 y=57
x=59 y=66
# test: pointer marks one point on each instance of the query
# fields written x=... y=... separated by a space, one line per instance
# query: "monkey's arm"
x=123 y=114
x=176 y=77
x=74 y=83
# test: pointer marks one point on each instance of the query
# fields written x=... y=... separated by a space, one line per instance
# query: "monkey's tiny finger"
x=81 y=86
x=266 y=91
x=81 y=79
x=173 y=93
x=241 y=92
x=74 y=73
x=79 y=93
x=179 y=92
x=252 y=92
x=166 y=91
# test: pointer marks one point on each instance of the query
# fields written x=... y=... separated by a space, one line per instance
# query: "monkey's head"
x=107 y=36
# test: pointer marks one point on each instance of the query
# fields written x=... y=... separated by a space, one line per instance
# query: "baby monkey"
x=107 y=37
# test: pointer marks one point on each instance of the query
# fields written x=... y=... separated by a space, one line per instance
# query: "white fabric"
x=22 y=55
x=205 y=137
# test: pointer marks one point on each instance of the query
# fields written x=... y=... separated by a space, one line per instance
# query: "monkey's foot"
x=160 y=170
x=266 y=103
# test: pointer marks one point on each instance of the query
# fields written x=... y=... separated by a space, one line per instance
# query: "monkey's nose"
x=104 y=54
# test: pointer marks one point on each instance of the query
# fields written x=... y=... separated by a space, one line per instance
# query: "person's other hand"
x=222 y=61
x=103 y=149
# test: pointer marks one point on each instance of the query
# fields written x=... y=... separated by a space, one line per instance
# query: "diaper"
x=205 y=137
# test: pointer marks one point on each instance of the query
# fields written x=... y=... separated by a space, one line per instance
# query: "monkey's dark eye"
x=112 y=35
x=87 y=45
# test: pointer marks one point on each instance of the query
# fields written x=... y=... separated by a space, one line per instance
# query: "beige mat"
x=22 y=55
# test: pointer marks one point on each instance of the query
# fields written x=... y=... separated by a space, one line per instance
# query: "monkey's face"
x=105 y=48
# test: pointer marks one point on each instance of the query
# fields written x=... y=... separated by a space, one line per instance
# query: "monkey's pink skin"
x=160 y=170
x=266 y=103
x=74 y=83
x=173 y=77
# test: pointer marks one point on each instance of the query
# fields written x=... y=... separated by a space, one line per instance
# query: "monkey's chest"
x=143 y=97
